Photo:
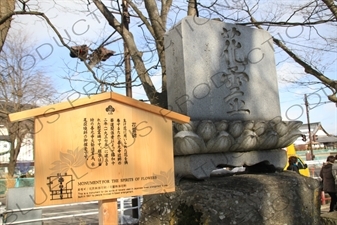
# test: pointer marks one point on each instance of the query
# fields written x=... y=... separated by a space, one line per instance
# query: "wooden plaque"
x=103 y=150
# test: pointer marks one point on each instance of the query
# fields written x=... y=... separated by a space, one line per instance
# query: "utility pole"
x=127 y=63
x=308 y=121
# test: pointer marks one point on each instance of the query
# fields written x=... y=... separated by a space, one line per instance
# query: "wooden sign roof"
x=72 y=104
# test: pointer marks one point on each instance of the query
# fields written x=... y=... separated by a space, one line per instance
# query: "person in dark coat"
x=328 y=177
x=293 y=164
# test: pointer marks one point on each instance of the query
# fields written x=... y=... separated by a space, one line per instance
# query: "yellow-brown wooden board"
x=67 y=157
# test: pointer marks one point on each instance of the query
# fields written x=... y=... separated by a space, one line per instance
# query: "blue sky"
x=88 y=26
x=320 y=108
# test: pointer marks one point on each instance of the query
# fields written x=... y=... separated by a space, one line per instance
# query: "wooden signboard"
x=101 y=147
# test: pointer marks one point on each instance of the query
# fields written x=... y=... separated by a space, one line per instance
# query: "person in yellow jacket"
x=303 y=168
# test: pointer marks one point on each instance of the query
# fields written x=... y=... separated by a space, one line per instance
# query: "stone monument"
x=224 y=77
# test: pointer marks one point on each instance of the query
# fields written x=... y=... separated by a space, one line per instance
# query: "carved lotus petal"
x=183 y=127
x=206 y=130
x=247 y=140
x=235 y=146
x=275 y=121
x=221 y=125
x=268 y=140
x=260 y=127
x=293 y=125
x=236 y=128
x=188 y=142
x=281 y=128
x=221 y=143
x=288 y=139
x=248 y=125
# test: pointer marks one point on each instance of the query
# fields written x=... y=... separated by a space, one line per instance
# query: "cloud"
x=288 y=71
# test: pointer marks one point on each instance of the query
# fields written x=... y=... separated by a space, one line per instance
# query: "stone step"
x=328 y=218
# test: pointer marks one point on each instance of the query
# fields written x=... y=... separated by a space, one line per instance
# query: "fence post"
x=135 y=211
x=322 y=197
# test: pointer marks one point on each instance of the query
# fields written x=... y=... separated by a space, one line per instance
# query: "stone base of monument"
x=201 y=166
x=269 y=199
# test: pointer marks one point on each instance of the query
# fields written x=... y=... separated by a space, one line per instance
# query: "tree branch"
x=286 y=24
x=134 y=53
x=159 y=30
x=192 y=8
x=331 y=6
x=6 y=6
x=331 y=84
x=142 y=17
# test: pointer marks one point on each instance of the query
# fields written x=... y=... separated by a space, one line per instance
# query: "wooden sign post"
x=101 y=147
x=108 y=212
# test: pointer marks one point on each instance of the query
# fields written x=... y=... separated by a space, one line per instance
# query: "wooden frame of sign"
x=101 y=147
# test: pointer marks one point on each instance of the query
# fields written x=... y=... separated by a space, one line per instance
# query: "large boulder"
x=268 y=199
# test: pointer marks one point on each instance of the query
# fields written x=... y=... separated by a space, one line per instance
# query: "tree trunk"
x=11 y=167
x=6 y=7
x=192 y=8
x=14 y=152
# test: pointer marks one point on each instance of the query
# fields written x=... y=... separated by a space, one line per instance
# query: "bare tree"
x=23 y=85
x=6 y=8
x=312 y=50
x=309 y=50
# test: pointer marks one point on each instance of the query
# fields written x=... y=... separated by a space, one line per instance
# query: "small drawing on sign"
x=110 y=109
x=60 y=186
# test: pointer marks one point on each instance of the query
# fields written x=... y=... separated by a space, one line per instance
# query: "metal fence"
x=85 y=213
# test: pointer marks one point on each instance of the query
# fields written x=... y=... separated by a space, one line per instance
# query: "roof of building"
x=326 y=139
x=314 y=127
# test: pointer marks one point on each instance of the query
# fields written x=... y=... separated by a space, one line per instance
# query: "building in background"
x=25 y=158
x=320 y=138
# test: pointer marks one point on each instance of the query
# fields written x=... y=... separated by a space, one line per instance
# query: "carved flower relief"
x=268 y=140
x=206 y=130
x=183 y=127
x=221 y=143
x=288 y=139
x=260 y=127
x=222 y=136
x=191 y=126
x=281 y=127
x=188 y=142
x=221 y=125
x=248 y=125
x=247 y=140
x=290 y=135
x=236 y=128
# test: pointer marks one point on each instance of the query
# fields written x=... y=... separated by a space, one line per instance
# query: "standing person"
x=293 y=164
x=328 y=176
